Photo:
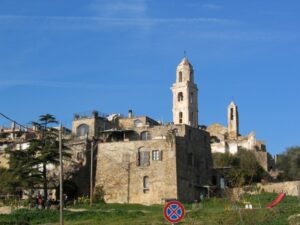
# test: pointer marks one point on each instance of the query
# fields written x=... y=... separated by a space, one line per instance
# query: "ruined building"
x=228 y=139
x=139 y=160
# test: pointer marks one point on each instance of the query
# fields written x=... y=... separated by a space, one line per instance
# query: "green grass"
x=210 y=212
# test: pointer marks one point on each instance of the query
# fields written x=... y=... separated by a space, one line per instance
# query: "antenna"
x=184 y=53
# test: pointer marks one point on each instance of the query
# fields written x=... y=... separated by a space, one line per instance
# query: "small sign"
x=174 y=211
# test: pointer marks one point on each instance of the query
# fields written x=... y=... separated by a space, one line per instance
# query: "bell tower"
x=185 y=95
x=233 y=121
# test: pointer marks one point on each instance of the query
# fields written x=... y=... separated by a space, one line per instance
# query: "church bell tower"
x=185 y=95
x=233 y=121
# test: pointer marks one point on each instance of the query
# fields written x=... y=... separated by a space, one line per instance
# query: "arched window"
x=145 y=135
x=180 y=77
x=180 y=117
x=180 y=96
x=146 y=183
x=231 y=113
x=82 y=130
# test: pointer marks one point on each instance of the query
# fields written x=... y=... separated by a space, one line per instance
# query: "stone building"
x=142 y=161
x=228 y=139
x=14 y=137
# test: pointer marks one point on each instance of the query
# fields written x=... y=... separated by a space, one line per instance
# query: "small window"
x=145 y=135
x=143 y=158
x=146 y=184
x=180 y=117
x=156 y=155
x=180 y=97
x=231 y=114
x=180 y=77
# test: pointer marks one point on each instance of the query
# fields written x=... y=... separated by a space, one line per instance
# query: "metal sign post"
x=174 y=212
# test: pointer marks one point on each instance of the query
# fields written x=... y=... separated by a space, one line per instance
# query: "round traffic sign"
x=174 y=211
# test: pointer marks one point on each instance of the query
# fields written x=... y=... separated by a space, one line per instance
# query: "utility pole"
x=91 y=178
x=128 y=187
x=60 y=178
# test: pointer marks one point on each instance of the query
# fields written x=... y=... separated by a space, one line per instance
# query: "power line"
x=12 y=120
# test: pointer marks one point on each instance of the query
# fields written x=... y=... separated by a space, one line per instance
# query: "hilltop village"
x=136 y=159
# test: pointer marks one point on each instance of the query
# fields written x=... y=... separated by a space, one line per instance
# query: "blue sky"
x=66 y=57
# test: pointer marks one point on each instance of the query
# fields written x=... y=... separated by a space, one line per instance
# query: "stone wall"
x=122 y=178
x=95 y=123
x=181 y=173
x=194 y=162
x=290 y=187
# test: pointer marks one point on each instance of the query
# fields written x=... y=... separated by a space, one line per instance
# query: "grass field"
x=210 y=212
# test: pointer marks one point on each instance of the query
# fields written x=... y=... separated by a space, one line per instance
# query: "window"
x=82 y=130
x=143 y=158
x=231 y=114
x=156 y=155
x=145 y=135
x=146 y=184
x=180 y=97
x=180 y=77
x=180 y=117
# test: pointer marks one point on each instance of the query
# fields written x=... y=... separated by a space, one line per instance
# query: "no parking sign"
x=174 y=211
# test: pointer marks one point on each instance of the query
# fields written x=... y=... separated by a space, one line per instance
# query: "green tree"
x=224 y=160
x=7 y=179
x=23 y=172
x=46 y=147
x=244 y=167
x=252 y=170
x=289 y=163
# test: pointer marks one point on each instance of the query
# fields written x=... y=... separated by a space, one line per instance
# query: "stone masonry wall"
x=122 y=179
x=194 y=163
x=290 y=187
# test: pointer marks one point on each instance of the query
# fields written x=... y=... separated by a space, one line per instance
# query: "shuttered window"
x=143 y=158
x=156 y=155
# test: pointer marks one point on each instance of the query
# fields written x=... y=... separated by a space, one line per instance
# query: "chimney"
x=130 y=114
